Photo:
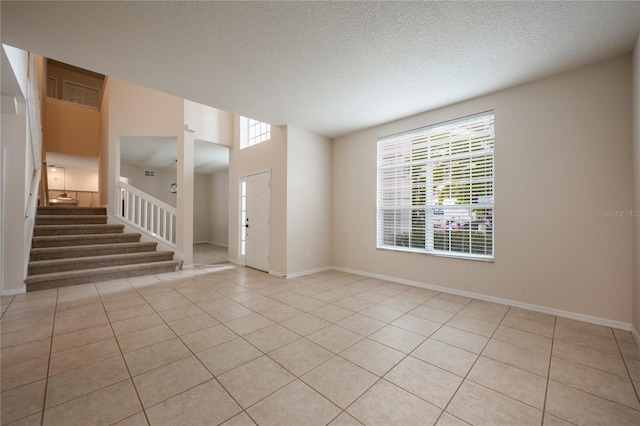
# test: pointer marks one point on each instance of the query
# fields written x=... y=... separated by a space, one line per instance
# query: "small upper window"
x=253 y=132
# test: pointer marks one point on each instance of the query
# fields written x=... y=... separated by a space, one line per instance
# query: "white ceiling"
x=327 y=67
x=160 y=153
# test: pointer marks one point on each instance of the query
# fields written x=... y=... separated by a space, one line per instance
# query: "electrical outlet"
x=464 y=271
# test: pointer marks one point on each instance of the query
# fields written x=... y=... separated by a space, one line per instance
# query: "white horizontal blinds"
x=253 y=132
x=435 y=188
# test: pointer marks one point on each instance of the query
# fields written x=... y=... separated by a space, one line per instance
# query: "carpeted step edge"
x=63 y=210
x=50 y=241
x=88 y=250
x=66 y=219
x=65 y=279
x=42 y=267
x=49 y=230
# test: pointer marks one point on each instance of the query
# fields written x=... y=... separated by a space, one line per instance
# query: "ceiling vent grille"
x=150 y=173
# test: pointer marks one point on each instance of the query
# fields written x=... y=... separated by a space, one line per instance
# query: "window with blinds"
x=253 y=132
x=435 y=189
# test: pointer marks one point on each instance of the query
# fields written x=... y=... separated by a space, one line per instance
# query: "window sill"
x=462 y=256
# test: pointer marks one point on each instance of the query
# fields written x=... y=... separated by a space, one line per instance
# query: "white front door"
x=257 y=220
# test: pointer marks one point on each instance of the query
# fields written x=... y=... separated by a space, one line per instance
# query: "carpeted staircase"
x=75 y=245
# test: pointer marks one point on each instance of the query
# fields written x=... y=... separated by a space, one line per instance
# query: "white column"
x=184 y=232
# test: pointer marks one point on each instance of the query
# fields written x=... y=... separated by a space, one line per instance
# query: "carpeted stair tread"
x=42 y=230
x=83 y=276
x=50 y=253
x=62 y=265
x=83 y=240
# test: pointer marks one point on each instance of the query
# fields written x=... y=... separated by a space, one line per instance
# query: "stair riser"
x=88 y=251
x=89 y=263
x=94 y=277
x=71 y=210
x=81 y=240
x=62 y=220
x=49 y=230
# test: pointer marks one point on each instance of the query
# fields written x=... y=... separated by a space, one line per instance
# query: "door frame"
x=242 y=258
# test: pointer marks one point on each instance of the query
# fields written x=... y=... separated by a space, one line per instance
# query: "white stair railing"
x=147 y=213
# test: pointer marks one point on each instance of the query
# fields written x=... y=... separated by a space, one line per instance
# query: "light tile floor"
x=234 y=346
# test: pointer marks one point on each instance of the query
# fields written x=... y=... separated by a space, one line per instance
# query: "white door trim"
x=242 y=258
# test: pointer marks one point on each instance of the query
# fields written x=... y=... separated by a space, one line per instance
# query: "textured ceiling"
x=327 y=67
x=157 y=153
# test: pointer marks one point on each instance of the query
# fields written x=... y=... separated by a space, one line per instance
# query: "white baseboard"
x=212 y=243
x=14 y=291
x=309 y=272
x=278 y=274
x=635 y=334
x=531 y=307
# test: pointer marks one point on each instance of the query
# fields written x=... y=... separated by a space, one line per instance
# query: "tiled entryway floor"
x=236 y=346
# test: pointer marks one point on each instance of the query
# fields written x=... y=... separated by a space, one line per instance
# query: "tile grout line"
x=406 y=354
x=387 y=372
x=296 y=377
x=13 y=297
x=122 y=356
x=546 y=389
x=626 y=366
x=597 y=369
x=478 y=357
x=46 y=385
x=453 y=395
x=244 y=410
x=144 y=409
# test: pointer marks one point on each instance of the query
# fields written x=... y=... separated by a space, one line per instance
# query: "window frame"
x=253 y=132
x=414 y=168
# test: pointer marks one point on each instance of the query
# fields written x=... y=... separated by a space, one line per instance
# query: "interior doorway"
x=210 y=203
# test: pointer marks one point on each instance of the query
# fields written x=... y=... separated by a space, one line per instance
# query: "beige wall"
x=73 y=180
x=636 y=185
x=138 y=111
x=269 y=155
x=562 y=159
x=219 y=208
x=158 y=187
x=202 y=200
x=209 y=124
x=71 y=128
x=308 y=201
x=211 y=208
